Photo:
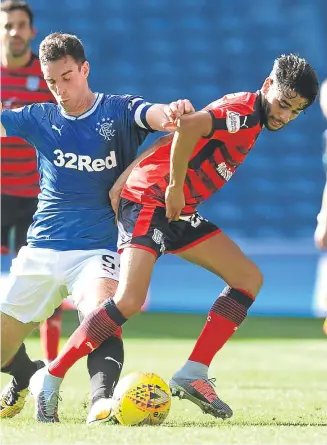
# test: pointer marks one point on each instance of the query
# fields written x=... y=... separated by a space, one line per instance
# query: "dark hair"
x=295 y=73
x=58 y=45
x=15 y=5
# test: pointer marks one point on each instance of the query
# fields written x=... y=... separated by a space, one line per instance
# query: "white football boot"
x=44 y=387
x=100 y=412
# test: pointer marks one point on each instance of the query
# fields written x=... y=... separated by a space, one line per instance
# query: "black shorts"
x=147 y=227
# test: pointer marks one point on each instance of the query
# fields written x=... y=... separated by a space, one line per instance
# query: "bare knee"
x=95 y=294
x=249 y=280
x=256 y=279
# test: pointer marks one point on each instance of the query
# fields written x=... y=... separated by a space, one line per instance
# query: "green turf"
x=187 y=326
x=275 y=379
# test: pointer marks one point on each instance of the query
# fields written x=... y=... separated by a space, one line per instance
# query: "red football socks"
x=50 y=335
x=226 y=314
x=94 y=330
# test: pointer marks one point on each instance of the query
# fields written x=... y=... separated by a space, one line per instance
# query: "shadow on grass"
x=154 y=325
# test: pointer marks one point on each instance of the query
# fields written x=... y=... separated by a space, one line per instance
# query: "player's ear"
x=34 y=31
x=86 y=69
x=266 y=85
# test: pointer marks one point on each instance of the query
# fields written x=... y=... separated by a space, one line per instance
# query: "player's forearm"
x=156 y=117
x=184 y=142
x=163 y=117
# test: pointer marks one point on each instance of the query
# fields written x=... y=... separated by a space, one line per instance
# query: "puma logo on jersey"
x=54 y=127
x=84 y=162
x=244 y=123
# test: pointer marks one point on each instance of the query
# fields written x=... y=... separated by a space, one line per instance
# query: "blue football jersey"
x=79 y=159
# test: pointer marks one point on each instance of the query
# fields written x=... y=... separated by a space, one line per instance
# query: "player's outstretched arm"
x=115 y=191
x=189 y=130
x=22 y=122
x=164 y=117
x=2 y=128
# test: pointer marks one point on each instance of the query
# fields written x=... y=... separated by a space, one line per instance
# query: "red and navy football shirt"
x=236 y=125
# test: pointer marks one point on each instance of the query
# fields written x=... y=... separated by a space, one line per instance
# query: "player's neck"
x=10 y=62
x=84 y=105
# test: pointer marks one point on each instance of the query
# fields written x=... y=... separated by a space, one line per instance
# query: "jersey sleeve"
x=231 y=118
x=130 y=112
x=137 y=109
x=24 y=122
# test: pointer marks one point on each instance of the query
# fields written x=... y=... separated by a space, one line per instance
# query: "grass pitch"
x=273 y=374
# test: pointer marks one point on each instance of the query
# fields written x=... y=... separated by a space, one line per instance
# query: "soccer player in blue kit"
x=83 y=145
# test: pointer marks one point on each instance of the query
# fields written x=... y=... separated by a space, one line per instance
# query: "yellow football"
x=141 y=398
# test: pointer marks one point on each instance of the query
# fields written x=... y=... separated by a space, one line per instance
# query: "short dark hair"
x=295 y=73
x=15 y=5
x=58 y=45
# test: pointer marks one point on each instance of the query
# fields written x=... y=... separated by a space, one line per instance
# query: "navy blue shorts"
x=146 y=227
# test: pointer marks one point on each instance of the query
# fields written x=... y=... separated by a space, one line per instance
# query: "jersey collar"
x=87 y=113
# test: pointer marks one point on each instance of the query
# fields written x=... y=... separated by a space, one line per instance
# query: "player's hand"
x=174 y=111
x=320 y=235
x=175 y=202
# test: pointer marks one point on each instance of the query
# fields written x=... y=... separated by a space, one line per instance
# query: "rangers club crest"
x=104 y=127
x=32 y=83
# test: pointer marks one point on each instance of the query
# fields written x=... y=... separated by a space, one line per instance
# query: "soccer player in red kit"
x=158 y=214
